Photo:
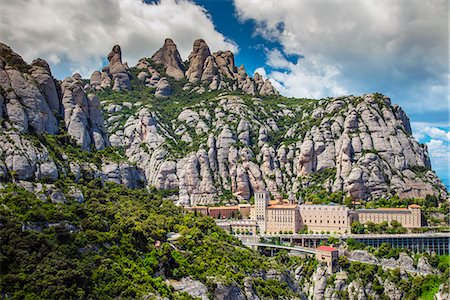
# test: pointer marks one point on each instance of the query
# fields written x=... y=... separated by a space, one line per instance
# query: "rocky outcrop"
x=194 y=288
x=22 y=159
x=170 y=58
x=115 y=76
x=226 y=144
x=28 y=94
x=163 y=88
x=122 y=173
x=228 y=292
x=443 y=292
x=40 y=70
x=392 y=291
x=216 y=70
x=197 y=59
x=118 y=70
x=424 y=267
x=236 y=150
x=82 y=115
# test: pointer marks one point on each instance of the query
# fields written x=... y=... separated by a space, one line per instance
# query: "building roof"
x=413 y=206
x=385 y=210
x=282 y=206
x=223 y=207
x=327 y=248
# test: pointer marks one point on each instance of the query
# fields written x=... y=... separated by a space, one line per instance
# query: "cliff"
x=205 y=128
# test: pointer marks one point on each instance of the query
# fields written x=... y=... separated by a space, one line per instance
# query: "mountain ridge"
x=212 y=132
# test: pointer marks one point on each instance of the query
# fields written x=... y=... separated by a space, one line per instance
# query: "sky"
x=312 y=49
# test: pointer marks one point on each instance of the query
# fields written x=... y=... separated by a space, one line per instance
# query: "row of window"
x=328 y=222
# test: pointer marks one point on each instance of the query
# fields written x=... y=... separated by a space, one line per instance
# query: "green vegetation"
x=384 y=227
x=113 y=245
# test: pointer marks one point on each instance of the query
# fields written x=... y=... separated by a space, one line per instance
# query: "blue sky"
x=306 y=48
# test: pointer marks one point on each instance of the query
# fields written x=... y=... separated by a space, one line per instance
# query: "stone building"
x=239 y=227
x=325 y=218
x=410 y=217
x=329 y=256
x=285 y=216
x=246 y=227
x=275 y=216
x=223 y=212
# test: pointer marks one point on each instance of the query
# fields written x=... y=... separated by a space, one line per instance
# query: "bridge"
x=290 y=248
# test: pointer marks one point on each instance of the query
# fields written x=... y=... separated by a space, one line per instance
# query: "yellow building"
x=410 y=217
x=325 y=218
x=284 y=218
x=275 y=216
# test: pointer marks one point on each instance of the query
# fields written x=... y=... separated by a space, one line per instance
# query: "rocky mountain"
x=204 y=128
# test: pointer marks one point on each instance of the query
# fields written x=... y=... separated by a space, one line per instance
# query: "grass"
x=429 y=295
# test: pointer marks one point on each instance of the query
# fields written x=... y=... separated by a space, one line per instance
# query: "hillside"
x=205 y=129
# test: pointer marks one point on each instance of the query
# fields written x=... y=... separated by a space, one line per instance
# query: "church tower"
x=261 y=202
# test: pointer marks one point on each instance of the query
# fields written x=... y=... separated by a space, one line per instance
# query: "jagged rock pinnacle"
x=197 y=58
x=169 y=56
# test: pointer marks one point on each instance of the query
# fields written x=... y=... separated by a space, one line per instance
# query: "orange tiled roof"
x=326 y=248
x=223 y=207
x=282 y=206
x=414 y=206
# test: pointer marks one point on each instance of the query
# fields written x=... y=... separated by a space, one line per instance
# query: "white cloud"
x=437 y=140
x=360 y=46
x=261 y=71
x=305 y=78
x=81 y=33
x=422 y=129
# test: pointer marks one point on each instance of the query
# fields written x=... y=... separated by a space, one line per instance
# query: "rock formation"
x=28 y=94
x=82 y=115
x=32 y=101
x=170 y=58
x=341 y=137
x=115 y=74
x=197 y=59
x=217 y=71
x=361 y=146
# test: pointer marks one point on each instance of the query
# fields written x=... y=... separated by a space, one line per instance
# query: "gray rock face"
x=405 y=261
x=319 y=278
x=115 y=75
x=40 y=70
x=443 y=292
x=347 y=142
x=163 y=88
x=363 y=256
x=231 y=292
x=82 y=115
x=197 y=60
x=26 y=107
x=22 y=160
x=170 y=58
x=238 y=145
x=392 y=291
x=424 y=267
x=194 y=288
x=118 y=70
x=122 y=173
